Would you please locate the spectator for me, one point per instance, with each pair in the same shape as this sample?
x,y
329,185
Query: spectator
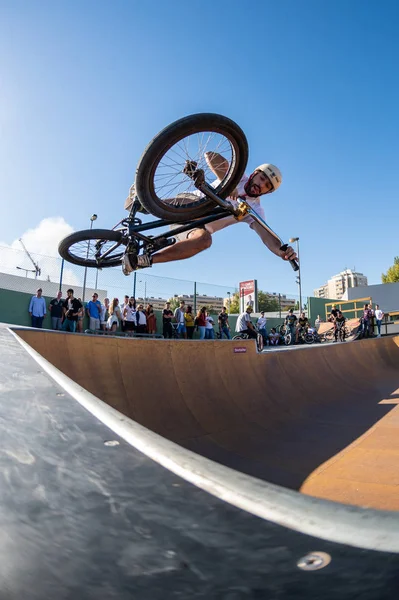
x,y
129,316
104,314
93,309
317,323
125,303
379,315
244,323
274,337
179,316
151,319
367,313
339,327
224,326
261,325
71,311
37,309
81,316
302,326
167,316
290,322
141,320
56,312
209,331
189,322
200,322
115,316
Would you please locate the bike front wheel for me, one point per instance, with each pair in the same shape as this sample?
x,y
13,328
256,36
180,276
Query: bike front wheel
x,y
98,248
162,186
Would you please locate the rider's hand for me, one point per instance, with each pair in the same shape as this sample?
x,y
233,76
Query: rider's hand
x,y
288,254
234,194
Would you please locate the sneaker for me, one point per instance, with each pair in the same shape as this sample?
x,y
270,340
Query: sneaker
x,y
131,262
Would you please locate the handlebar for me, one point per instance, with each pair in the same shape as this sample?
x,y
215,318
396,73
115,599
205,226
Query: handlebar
x,y
294,263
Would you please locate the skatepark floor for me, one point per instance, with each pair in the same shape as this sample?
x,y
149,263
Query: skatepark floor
x,y
323,421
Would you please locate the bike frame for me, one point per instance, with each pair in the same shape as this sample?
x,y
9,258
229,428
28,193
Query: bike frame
x,y
136,241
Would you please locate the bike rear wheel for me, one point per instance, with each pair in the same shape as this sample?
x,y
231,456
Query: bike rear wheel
x,y
162,187
99,248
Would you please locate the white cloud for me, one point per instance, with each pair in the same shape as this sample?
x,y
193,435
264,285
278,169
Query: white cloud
x,y
42,244
44,238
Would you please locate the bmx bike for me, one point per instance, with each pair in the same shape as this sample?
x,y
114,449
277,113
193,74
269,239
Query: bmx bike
x,y
260,344
175,184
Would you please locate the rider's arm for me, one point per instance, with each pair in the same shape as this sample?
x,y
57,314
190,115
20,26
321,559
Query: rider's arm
x,y
272,242
217,164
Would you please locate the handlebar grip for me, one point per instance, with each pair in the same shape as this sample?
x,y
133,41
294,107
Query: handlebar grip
x,y
294,263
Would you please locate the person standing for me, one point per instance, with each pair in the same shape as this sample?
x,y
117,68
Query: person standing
x,y
209,331
179,316
290,322
93,309
189,321
367,314
167,316
151,320
125,303
115,316
37,309
261,325
379,315
141,320
55,307
129,315
71,311
104,314
200,322
224,327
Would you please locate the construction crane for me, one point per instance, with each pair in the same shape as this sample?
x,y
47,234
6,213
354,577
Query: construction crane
x,y
37,270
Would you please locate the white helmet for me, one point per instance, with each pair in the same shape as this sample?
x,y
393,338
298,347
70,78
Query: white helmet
x,y
273,173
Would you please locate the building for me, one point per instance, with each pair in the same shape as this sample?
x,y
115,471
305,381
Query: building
x,y
337,286
157,303
213,303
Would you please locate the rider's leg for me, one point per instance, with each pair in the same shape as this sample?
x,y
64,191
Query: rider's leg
x,y
197,241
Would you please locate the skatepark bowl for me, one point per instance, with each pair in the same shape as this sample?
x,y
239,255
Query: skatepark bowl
x,y
252,429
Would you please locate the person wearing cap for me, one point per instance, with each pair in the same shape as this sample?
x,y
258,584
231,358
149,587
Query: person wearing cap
x,y
244,323
37,309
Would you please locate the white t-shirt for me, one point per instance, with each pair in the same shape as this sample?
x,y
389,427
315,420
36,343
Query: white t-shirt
x,y
209,323
179,316
261,322
253,202
130,313
242,322
141,319
378,314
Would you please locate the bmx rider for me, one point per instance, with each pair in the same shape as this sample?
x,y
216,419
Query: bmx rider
x,y
264,180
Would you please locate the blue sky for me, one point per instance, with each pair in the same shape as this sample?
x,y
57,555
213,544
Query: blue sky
x,y
84,86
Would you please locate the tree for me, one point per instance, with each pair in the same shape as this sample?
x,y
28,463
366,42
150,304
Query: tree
x,y
267,303
392,275
174,302
234,304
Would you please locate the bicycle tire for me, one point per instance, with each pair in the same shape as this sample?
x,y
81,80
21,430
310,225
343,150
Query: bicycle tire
x,y
169,136
64,248
239,337
287,339
260,344
308,338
